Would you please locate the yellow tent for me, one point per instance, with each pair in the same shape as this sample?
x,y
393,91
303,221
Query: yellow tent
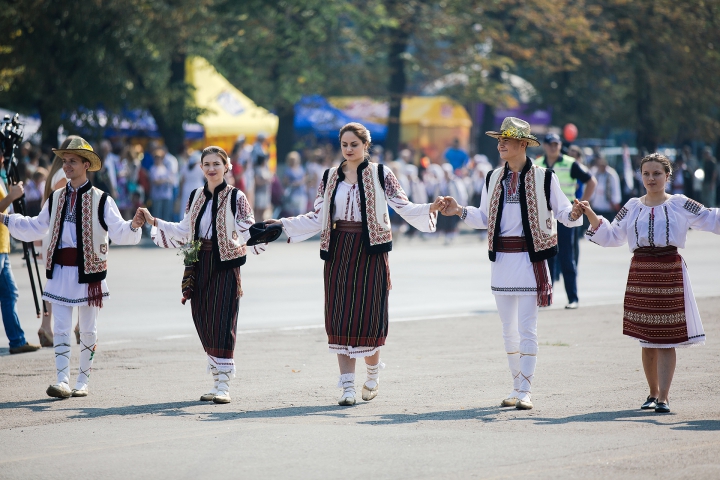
x,y
229,113
427,124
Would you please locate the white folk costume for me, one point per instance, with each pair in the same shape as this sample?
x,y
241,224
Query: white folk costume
x,y
355,238
221,221
77,224
659,309
520,209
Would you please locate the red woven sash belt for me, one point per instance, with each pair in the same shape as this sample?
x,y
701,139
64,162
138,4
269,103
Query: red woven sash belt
x,y
544,286
350,227
67,257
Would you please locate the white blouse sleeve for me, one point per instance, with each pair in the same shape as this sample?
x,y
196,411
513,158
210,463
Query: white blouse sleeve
x,y
29,229
171,234
697,215
120,230
561,205
612,234
244,219
306,226
416,214
478,217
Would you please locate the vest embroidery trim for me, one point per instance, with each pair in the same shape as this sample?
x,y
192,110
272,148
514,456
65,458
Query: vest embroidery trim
x,y
541,240
227,242
56,226
376,233
92,263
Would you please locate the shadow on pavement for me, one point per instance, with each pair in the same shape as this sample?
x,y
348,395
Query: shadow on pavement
x,y
445,415
630,416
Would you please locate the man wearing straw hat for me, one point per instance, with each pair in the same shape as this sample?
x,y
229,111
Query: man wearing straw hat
x,y
520,207
77,221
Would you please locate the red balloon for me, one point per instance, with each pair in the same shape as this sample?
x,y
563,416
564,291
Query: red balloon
x,y
570,132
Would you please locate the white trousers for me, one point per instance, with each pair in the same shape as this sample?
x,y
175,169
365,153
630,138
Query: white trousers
x,y
518,314
88,339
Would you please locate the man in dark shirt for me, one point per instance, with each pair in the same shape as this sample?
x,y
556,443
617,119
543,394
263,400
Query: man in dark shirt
x,y
569,172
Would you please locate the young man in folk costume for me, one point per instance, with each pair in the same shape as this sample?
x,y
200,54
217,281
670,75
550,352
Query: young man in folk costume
x,y
77,220
520,205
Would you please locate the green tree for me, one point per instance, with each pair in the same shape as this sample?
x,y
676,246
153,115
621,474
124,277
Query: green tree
x,y
276,52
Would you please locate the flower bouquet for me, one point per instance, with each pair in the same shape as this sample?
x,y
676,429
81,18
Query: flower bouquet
x,y
190,252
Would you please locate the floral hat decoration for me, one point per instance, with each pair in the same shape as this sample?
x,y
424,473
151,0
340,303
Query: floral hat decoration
x,y
82,148
516,128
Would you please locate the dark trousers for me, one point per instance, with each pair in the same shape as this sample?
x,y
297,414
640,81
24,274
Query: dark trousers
x,y
565,261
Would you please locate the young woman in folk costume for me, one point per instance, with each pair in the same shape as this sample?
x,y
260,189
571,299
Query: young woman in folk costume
x,y
77,222
660,309
351,216
217,219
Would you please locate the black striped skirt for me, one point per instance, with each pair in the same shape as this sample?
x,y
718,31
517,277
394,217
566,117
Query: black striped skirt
x,y
215,301
357,286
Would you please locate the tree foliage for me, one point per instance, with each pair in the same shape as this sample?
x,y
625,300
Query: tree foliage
x,y
644,65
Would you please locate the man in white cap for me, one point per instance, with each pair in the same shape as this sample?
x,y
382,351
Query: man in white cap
x,y
77,220
520,206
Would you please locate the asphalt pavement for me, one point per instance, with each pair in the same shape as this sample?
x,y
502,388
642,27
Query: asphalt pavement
x,y
437,414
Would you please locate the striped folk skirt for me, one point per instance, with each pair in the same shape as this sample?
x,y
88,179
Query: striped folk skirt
x,y
654,310
215,301
356,293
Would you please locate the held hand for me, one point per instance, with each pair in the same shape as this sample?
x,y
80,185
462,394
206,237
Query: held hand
x,y
577,210
590,214
437,205
16,191
138,220
148,217
451,207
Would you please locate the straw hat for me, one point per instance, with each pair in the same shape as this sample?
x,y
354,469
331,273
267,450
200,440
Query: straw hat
x,y
515,128
80,147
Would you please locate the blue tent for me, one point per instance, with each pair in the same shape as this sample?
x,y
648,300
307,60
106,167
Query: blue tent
x,y
315,115
129,123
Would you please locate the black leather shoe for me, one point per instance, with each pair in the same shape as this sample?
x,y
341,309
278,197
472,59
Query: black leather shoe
x,y
650,403
662,407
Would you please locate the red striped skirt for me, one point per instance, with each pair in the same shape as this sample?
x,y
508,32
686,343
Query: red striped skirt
x,y
215,301
356,290
655,297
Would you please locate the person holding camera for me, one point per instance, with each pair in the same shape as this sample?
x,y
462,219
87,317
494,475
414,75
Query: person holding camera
x,y
8,289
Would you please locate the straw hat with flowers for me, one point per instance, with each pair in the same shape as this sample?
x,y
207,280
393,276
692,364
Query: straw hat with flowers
x,y
81,148
515,128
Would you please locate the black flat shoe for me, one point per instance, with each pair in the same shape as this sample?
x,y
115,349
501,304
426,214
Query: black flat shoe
x,y
662,407
650,403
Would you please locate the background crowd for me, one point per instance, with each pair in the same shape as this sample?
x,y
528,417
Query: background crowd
x,y
137,174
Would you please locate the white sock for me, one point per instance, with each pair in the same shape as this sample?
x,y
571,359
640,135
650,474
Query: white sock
x,y
347,383
527,373
373,375
88,342
223,380
62,357
216,380
514,364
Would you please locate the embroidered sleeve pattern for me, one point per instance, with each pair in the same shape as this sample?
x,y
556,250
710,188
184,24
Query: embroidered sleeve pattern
x,y
244,216
592,231
693,207
620,215
393,190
